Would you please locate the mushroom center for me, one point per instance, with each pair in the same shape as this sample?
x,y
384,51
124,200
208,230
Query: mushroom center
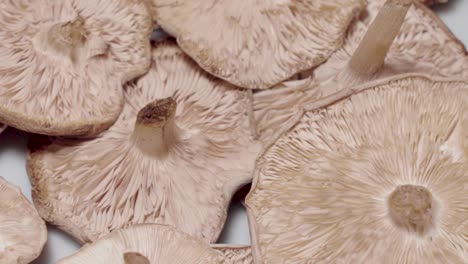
x,y
155,129
411,207
69,40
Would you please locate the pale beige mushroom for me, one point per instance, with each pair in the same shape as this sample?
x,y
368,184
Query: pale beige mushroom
x,y
257,44
63,63
424,45
23,233
376,177
235,254
180,149
146,244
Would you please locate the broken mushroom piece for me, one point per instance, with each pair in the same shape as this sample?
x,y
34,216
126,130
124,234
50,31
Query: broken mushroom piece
x,y
145,244
178,152
23,233
423,45
64,62
235,254
257,44
376,177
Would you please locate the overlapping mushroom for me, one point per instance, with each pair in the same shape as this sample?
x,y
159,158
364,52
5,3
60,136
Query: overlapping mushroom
x,y
63,63
146,244
178,152
22,232
376,177
257,44
420,43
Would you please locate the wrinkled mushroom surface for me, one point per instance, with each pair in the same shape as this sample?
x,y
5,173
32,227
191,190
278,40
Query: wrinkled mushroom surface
x,y
235,254
22,232
257,44
145,244
64,62
424,45
377,177
178,152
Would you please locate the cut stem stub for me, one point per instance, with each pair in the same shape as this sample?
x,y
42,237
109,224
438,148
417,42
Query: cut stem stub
x,y
370,55
155,129
411,207
135,258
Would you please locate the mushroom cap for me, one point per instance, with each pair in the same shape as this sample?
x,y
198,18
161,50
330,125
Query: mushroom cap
x,y
157,243
235,254
23,233
425,45
91,187
64,62
257,44
321,192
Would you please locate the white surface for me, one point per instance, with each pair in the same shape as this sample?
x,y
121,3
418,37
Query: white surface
x,y
13,148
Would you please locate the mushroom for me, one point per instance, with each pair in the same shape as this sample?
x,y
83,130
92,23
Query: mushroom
x,y
424,45
376,176
257,44
64,62
145,244
23,233
177,154
235,254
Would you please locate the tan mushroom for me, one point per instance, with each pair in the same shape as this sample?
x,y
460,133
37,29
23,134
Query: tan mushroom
x,y
423,45
235,254
22,232
146,244
257,44
376,177
64,62
179,151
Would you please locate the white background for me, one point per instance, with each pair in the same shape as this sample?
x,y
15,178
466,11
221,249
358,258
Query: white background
x,y
13,149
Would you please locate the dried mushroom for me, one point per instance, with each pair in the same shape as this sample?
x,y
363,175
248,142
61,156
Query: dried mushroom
x,y
64,62
22,232
257,44
178,152
423,45
235,254
145,244
376,177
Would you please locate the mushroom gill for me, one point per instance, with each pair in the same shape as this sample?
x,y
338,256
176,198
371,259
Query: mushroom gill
x,y
64,62
257,44
235,254
379,176
423,44
23,233
178,152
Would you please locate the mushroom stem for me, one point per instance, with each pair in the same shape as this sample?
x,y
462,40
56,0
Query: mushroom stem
x,y
155,129
411,207
370,55
135,258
